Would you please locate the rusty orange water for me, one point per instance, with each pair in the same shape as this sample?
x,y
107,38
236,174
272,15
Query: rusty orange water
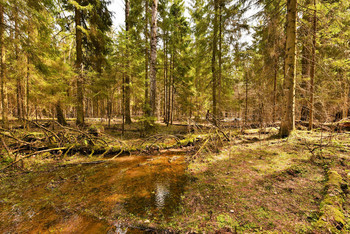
x,y
92,198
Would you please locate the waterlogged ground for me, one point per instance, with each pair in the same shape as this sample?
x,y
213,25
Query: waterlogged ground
x,y
93,198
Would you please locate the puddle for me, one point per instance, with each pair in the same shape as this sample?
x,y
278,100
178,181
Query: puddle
x,y
91,198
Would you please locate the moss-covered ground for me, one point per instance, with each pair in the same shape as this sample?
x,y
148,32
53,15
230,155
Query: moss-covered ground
x,y
294,185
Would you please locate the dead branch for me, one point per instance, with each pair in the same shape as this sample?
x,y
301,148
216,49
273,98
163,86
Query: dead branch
x,y
9,153
32,154
12,137
46,129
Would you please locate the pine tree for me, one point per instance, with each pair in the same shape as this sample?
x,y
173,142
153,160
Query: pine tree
x,y
153,62
288,117
3,81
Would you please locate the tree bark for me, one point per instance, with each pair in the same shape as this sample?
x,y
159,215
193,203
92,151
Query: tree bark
x,y
246,99
312,70
165,77
172,88
213,61
127,76
146,108
59,114
3,80
220,61
153,71
27,88
19,87
305,65
288,117
170,82
275,89
78,65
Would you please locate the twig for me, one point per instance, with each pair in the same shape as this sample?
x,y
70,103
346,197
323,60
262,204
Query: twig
x,y
46,129
200,149
9,153
12,137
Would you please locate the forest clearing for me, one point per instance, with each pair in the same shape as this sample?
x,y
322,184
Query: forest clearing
x,y
190,116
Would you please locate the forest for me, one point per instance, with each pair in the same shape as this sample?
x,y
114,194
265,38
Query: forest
x,y
194,116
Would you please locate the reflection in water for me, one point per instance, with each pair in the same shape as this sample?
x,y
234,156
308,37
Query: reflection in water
x,y
162,192
85,198
120,229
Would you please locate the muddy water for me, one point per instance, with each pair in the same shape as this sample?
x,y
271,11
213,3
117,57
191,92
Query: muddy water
x,y
94,198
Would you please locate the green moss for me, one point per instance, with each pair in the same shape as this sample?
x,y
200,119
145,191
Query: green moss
x,y
334,179
331,213
224,220
332,219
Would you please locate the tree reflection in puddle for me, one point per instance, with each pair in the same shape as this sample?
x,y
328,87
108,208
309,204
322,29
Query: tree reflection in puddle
x,y
162,192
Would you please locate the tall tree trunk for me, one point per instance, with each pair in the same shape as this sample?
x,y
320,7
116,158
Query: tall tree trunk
x,y
27,88
172,87
27,93
288,117
305,65
19,93
313,66
123,106
165,77
275,89
170,82
246,99
153,71
78,65
127,76
146,108
220,61
213,61
3,81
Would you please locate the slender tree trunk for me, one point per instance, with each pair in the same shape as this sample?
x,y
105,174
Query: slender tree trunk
x,y
27,88
165,77
170,82
213,61
312,71
3,80
305,66
153,71
220,61
288,118
146,108
275,90
127,76
123,106
172,88
78,65
109,109
30,37
18,76
246,99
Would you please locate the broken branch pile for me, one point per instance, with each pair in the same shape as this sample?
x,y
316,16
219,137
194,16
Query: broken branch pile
x,y
53,138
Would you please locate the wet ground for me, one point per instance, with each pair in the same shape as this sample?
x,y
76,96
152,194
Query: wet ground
x,y
92,198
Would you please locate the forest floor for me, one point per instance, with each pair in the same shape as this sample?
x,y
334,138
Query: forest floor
x,y
181,179
299,184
